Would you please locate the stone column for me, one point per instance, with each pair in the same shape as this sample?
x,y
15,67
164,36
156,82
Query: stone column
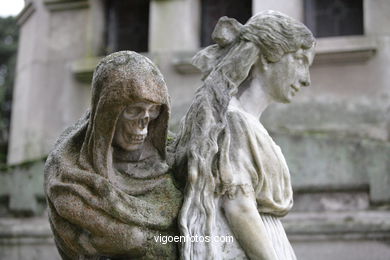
x,y
376,26
174,25
47,97
293,8
26,133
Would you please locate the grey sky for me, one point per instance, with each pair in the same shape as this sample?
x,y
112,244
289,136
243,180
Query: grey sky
x,y
10,7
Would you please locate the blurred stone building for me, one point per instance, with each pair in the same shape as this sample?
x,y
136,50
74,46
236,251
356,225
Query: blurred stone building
x,y
335,135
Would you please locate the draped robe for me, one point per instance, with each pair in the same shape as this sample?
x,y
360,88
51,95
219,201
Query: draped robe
x,y
95,209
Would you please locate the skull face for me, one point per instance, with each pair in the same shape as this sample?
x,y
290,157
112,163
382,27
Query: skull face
x,y
132,126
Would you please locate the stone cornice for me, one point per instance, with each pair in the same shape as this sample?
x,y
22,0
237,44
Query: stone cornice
x,y
26,12
61,5
304,226
82,69
347,49
344,49
347,225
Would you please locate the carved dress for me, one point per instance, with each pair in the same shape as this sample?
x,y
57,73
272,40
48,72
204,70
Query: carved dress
x,y
220,150
258,166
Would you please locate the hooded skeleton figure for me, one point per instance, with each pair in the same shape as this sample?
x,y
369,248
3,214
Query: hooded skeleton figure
x,y
101,204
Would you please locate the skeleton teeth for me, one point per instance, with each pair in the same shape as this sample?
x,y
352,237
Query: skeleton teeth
x,y
136,138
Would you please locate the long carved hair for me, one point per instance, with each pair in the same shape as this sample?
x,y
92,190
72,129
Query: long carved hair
x,y
201,159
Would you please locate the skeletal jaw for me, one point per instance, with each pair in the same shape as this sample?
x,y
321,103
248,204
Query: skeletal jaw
x,y
136,139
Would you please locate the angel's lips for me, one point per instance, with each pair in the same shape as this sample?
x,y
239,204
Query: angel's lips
x,y
296,88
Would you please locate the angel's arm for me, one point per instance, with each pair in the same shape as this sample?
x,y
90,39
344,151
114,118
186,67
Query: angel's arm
x,y
248,227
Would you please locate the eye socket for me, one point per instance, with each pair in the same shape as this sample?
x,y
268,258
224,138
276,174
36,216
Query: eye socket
x,y
154,111
132,112
135,111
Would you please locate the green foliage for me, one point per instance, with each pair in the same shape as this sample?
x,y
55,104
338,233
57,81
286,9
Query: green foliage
x,y
8,47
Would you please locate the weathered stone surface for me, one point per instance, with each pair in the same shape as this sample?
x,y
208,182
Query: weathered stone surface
x,y
236,179
360,119
164,17
341,249
22,186
315,235
107,182
344,143
45,84
330,201
334,83
330,163
26,238
346,163
339,235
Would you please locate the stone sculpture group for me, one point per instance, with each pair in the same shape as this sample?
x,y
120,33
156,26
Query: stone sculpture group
x,y
115,181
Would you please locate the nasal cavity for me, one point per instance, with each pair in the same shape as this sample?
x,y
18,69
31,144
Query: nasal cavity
x,y
143,122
